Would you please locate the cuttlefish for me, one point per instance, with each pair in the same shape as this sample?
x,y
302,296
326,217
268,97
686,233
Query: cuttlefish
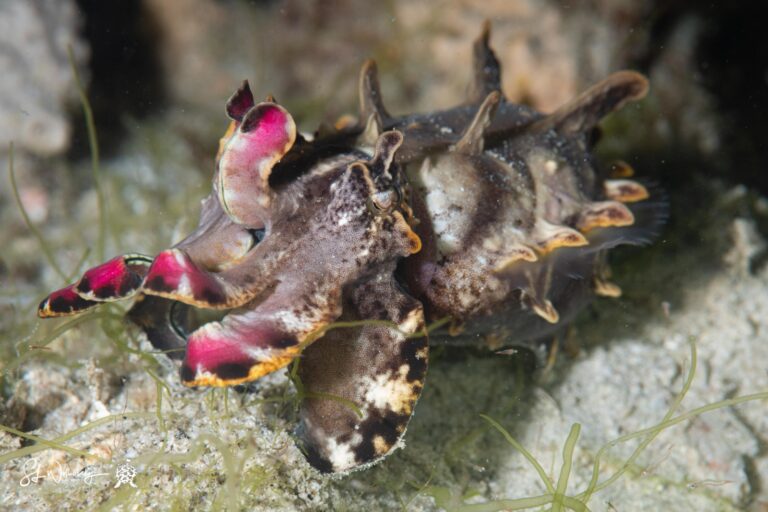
x,y
490,214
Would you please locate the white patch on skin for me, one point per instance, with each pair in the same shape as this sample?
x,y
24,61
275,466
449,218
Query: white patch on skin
x,y
390,392
412,321
200,373
184,287
215,330
437,200
292,322
451,193
258,354
448,244
550,166
180,259
468,296
341,455
207,329
438,203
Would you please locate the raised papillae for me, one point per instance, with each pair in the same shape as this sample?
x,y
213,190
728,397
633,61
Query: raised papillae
x,y
490,214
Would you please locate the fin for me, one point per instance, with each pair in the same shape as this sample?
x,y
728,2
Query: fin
x,y
165,322
471,141
251,343
265,135
644,224
117,279
369,93
361,384
486,69
240,102
604,214
550,237
625,191
64,302
583,113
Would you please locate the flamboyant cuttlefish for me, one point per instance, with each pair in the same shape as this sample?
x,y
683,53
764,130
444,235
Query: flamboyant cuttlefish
x,y
489,213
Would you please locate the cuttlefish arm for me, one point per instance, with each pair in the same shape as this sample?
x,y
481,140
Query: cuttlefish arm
x,y
187,272
117,279
361,384
175,275
164,321
217,245
266,134
250,343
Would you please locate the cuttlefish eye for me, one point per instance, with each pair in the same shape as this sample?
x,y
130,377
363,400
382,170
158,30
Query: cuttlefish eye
x,y
258,235
383,201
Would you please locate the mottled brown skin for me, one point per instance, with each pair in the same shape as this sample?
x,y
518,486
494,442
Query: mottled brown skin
x,y
378,368
489,213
